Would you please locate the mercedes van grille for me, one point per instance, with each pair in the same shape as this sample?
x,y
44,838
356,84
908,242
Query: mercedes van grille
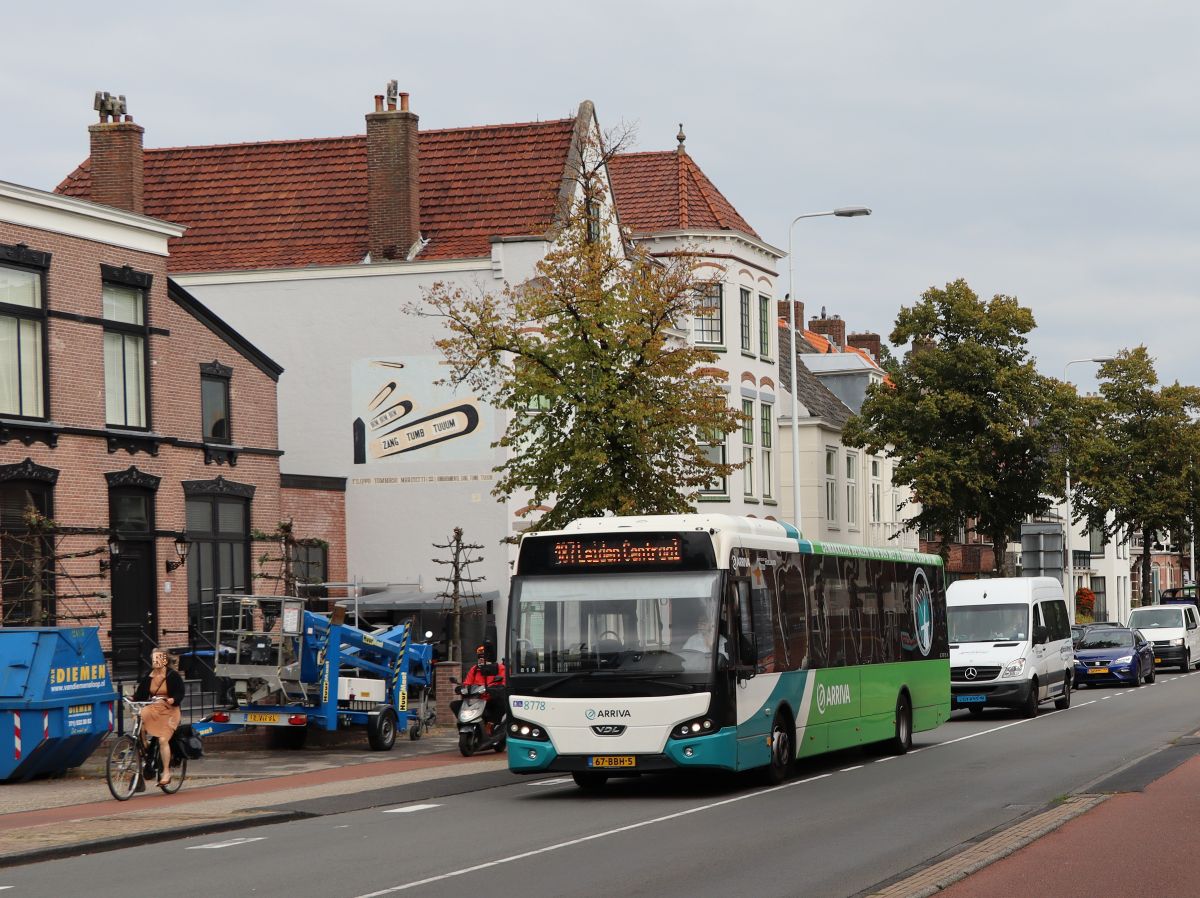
x,y
973,674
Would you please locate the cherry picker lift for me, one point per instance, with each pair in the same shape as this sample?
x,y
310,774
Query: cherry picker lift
x,y
295,669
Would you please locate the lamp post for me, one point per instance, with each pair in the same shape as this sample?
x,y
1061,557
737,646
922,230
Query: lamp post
x,y
1069,560
843,212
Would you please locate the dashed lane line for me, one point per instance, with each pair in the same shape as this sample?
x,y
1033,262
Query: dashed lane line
x,y
228,843
408,809
848,769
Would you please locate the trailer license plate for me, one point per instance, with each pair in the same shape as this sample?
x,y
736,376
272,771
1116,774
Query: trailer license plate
x,y
1097,670
612,761
963,699
253,717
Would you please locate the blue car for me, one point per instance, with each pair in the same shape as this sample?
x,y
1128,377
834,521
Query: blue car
x,y
1113,655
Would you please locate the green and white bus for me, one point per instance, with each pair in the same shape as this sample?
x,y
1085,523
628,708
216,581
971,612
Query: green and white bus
x,y
640,644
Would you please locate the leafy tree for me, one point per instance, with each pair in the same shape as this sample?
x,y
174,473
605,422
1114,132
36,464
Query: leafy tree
x,y
1137,454
966,416
612,410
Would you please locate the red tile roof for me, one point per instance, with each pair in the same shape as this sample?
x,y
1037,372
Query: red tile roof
x,y
294,203
667,191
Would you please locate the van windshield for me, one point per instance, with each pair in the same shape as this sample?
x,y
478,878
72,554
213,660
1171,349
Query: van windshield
x,y
1150,618
988,623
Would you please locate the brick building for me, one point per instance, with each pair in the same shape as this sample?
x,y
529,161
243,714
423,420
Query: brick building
x,y
135,420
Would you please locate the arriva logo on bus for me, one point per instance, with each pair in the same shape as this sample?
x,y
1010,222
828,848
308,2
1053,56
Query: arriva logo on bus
x,y
592,713
830,696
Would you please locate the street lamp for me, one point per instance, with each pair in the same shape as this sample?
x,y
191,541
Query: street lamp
x,y
1069,560
843,212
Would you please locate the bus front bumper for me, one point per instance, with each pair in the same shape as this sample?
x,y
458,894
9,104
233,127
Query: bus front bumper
x,y
714,750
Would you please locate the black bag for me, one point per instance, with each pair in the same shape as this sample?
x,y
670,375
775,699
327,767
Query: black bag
x,y
187,743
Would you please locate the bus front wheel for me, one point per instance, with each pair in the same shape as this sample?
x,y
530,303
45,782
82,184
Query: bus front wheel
x,y
902,741
782,750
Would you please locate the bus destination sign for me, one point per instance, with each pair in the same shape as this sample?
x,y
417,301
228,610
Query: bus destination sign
x,y
605,551
616,552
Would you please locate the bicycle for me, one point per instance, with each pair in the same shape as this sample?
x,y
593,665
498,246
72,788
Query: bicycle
x,y
131,764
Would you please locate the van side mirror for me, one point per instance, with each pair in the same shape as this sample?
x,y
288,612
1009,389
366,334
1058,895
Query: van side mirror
x,y
1040,635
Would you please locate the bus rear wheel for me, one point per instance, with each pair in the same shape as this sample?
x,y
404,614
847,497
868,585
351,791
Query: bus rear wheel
x,y
902,741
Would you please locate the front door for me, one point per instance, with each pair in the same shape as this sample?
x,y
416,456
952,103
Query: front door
x,y
133,607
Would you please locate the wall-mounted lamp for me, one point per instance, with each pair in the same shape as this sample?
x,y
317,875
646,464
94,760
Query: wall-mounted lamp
x,y
114,549
181,549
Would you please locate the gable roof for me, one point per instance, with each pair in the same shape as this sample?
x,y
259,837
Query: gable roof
x,y
810,392
218,326
667,191
296,203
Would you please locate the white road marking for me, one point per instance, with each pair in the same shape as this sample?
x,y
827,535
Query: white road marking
x,y
453,874
848,769
1085,704
888,758
228,843
553,782
412,807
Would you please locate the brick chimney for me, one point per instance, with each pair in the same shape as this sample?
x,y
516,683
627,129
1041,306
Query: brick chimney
x,y
117,160
868,342
832,329
781,307
393,179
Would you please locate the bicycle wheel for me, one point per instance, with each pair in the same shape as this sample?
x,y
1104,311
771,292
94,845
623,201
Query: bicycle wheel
x,y
123,767
177,777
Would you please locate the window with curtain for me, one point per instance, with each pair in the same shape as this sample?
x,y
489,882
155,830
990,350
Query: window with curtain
x,y
214,408
26,558
22,343
831,485
851,488
125,397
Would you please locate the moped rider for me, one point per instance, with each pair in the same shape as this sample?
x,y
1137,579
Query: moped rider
x,y
490,674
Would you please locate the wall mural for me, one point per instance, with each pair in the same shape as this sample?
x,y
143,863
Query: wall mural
x,y
404,415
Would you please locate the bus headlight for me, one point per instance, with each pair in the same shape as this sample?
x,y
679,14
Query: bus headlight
x,y
523,729
701,726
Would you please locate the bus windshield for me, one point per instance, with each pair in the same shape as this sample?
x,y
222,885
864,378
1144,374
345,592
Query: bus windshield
x,y
640,625
988,623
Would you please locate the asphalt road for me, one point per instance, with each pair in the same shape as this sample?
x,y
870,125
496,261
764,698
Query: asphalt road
x,y
844,824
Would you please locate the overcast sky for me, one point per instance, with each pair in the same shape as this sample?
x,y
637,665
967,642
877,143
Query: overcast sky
x,y
1049,151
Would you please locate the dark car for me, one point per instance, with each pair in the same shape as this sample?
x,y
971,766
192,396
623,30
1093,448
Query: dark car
x,y
1113,655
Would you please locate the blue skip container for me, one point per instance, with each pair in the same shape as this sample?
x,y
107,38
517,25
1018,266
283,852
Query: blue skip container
x,y
56,699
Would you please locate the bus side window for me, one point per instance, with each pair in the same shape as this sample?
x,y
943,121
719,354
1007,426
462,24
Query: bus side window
x,y
795,616
763,627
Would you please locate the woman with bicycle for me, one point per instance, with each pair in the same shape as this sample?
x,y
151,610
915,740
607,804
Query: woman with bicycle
x,y
163,687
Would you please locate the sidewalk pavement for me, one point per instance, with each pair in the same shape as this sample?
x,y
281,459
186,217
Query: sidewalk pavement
x,y
1070,849
74,814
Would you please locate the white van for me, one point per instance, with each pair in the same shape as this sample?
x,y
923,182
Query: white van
x,y
1173,630
1010,644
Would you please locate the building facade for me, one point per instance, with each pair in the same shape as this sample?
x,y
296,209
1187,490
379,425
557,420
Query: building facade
x,y
138,432
323,250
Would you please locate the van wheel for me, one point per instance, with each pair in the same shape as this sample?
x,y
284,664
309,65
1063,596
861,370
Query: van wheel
x,y
902,741
1031,703
1187,662
1065,702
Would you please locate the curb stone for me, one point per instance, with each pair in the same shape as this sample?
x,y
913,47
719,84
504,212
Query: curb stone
x,y
939,876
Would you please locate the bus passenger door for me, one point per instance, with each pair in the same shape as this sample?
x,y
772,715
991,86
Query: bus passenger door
x,y
753,691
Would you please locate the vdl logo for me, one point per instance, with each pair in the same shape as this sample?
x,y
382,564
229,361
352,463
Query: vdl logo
x,y
829,696
922,611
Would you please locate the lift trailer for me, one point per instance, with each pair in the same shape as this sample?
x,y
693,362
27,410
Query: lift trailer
x,y
293,669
